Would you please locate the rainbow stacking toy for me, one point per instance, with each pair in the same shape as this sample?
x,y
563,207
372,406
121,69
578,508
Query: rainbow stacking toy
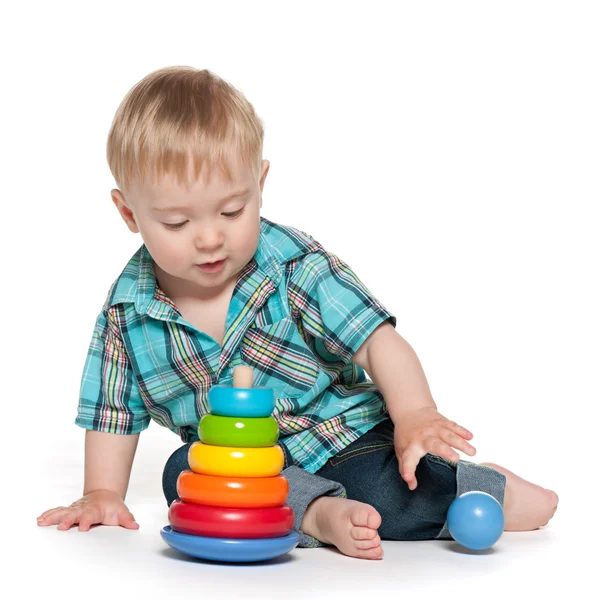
x,y
232,503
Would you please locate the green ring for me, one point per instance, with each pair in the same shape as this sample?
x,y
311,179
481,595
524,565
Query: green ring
x,y
245,432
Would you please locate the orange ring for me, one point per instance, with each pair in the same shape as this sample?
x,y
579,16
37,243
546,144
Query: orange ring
x,y
238,492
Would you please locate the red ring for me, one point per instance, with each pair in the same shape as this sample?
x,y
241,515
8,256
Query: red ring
x,y
217,521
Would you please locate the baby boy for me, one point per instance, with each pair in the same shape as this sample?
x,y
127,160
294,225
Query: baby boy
x,y
215,285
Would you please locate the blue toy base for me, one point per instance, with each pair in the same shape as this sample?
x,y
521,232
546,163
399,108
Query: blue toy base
x,y
228,549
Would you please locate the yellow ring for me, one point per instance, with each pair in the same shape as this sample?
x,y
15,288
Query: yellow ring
x,y
229,461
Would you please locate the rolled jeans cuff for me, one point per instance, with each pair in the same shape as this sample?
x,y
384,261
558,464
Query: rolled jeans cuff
x,y
473,477
304,488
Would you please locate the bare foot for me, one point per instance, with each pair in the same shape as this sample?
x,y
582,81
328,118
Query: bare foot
x,y
349,525
526,506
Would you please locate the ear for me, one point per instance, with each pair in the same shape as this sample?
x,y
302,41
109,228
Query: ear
x,y
124,210
265,169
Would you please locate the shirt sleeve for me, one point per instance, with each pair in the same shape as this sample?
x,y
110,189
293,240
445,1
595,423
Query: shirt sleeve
x,y
333,304
109,398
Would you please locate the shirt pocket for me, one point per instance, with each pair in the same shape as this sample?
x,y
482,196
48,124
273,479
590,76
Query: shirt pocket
x,y
280,358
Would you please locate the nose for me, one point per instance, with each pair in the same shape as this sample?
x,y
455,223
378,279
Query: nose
x,y
208,237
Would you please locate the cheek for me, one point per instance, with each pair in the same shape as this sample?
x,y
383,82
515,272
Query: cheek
x,y
163,247
246,238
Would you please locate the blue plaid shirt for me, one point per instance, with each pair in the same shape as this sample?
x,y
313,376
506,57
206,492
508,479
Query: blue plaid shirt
x,y
297,316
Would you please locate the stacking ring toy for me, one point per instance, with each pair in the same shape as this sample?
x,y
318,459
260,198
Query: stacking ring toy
x,y
226,401
240,492
228,461
216,521
238,431
230,550
231,504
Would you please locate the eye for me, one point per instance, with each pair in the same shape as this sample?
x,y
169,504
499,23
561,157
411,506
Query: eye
x,y
175,226
233,215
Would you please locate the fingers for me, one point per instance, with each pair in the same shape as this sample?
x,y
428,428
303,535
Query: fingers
x,y
65,518
456,441
44,518
408,461
69,518
429,433
96,515
87,514
47,513
438,447
443,443
459,430
52,516
89,517
127,520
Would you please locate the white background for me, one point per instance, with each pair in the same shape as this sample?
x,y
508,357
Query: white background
x,y
447,151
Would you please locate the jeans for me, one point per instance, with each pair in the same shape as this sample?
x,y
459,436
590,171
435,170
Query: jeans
x,y
367,470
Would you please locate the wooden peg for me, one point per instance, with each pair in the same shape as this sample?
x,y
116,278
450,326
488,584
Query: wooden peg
x,y
242,377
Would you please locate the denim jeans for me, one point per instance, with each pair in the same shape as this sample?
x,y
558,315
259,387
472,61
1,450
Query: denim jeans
x,y
367,470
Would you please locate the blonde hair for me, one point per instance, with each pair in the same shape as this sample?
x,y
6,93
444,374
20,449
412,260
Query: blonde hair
x,y
177,115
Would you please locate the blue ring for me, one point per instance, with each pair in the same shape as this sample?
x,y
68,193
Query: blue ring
x,y
228,549
227,401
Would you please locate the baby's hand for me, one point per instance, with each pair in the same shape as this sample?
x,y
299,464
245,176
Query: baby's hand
x,y
100,507
425,431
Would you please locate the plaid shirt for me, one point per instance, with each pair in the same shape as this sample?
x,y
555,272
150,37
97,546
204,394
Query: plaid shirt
x,y
297,316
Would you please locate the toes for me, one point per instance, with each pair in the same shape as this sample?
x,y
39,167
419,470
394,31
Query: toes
x,y
363,533
551,506
368,544
553,503
552,499
374,521
360,516
371,553
365,516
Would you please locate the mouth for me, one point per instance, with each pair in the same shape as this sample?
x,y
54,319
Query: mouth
x,y
212,267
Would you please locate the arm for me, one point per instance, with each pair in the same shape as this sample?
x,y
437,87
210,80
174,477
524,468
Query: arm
x,y
336,307
108,461
396,370
113,413
419,428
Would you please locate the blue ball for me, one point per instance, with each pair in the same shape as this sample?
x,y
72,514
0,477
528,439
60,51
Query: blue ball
x,y
476,520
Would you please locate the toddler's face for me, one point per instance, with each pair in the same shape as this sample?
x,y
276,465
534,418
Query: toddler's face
x,y
187,229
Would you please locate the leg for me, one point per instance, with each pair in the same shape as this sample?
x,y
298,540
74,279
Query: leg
x,y
178,462
526,506
368,469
